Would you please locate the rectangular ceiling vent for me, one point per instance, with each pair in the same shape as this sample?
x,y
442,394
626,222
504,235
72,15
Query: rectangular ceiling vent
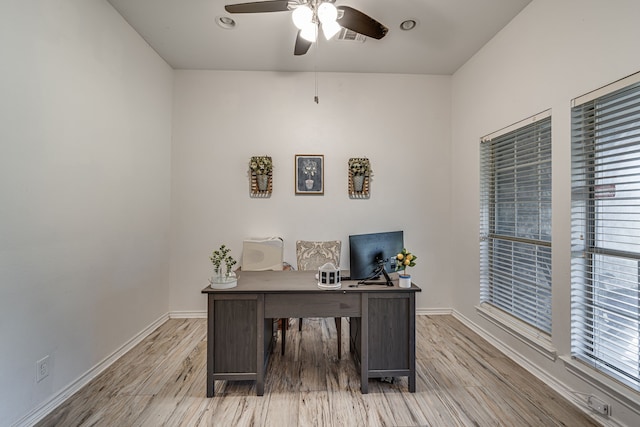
x,y
350,36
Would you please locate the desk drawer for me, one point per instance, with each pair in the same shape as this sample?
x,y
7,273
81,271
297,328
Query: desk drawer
x,y
325,304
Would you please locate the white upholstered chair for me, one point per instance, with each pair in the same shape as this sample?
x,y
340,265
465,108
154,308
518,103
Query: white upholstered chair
x,y
312,255
262,255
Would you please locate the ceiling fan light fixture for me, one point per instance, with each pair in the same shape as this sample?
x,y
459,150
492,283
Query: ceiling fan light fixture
x,y
309,15
327,13
302,16
330,29
309,32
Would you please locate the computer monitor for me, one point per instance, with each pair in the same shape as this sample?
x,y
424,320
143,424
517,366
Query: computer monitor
x,y
374,254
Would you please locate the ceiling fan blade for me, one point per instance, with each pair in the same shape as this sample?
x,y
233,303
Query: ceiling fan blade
x,y
258,7
302,45
354,20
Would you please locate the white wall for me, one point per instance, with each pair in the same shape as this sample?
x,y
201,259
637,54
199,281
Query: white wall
x,y
221,119
550,53
85,133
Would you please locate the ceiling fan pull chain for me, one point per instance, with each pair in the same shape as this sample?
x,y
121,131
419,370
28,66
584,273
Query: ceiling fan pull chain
x,y
315,98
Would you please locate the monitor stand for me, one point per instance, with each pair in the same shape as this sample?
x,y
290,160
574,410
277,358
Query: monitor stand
x,y
375,275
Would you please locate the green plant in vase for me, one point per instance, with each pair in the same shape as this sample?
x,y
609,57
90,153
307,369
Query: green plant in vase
x,y
223,262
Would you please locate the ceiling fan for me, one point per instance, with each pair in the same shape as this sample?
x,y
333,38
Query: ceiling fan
x,y
310,15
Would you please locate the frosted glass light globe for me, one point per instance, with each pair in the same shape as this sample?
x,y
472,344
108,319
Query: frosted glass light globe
x,y
327,12
302,16
330,29
309,32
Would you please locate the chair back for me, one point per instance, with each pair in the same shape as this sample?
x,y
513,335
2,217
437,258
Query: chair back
x,y
262,254
312,255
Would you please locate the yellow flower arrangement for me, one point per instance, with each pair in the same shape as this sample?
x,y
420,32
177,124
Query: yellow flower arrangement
x,y
405,259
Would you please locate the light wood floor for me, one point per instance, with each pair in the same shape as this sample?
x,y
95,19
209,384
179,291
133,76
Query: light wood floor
x,y
461,381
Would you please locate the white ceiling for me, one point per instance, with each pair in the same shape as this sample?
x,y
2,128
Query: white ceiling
x,y
449,32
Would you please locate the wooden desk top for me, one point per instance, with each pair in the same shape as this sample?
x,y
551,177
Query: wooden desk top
x,y
300,281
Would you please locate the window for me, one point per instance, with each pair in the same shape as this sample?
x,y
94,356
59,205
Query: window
x,y
605,235
515,248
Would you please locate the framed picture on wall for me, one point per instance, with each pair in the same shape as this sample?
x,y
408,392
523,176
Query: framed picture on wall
x,y
309,173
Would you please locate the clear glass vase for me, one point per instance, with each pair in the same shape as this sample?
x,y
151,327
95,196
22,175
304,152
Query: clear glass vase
x,y
223,280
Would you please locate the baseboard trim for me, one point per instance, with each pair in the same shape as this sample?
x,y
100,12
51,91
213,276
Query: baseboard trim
x,y
193,314
59,398
433,311
534,370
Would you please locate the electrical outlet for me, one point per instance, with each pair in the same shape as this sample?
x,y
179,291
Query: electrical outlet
x,y
42,368
598,405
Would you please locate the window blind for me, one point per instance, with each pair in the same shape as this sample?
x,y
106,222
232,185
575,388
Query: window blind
x,y
515,221
605,233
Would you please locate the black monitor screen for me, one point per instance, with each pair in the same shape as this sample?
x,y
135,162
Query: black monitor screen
x,y
369,252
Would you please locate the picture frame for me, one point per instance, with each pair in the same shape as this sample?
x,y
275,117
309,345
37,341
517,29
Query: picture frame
x,y
309,176
359,178
261,176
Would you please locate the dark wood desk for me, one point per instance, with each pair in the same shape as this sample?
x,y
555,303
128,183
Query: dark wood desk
x,y
240,327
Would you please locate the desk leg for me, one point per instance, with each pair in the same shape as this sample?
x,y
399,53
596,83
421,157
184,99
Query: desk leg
x,y
284,325
210,348
339,329
412,343
260,357
364,344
